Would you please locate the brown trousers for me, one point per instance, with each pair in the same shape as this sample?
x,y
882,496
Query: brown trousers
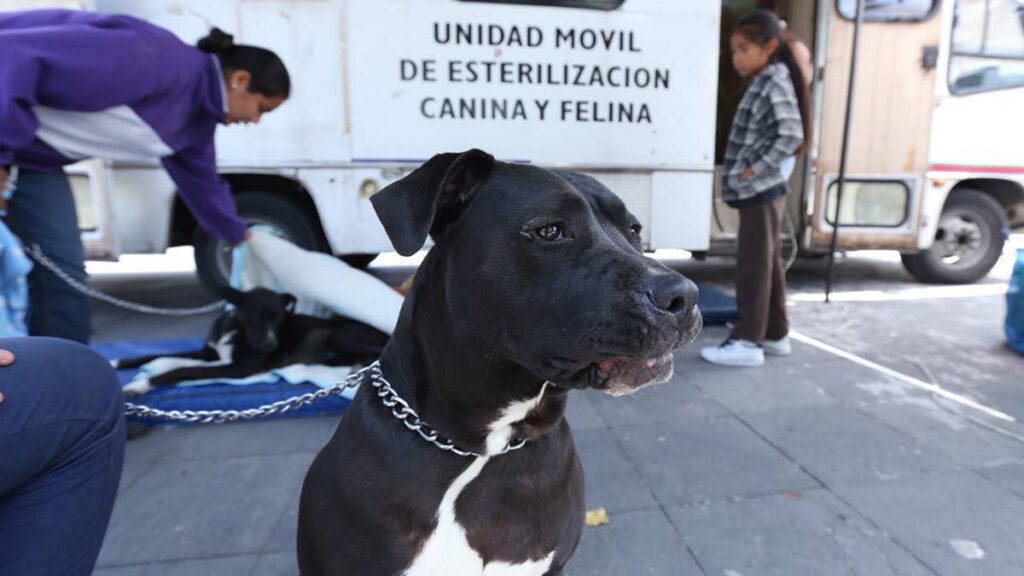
x,y
760,278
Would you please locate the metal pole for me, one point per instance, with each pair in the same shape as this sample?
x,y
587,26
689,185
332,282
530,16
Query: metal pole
x,y
858,22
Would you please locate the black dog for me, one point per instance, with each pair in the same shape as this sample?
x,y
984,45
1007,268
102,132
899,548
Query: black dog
x,y
536,285
261,333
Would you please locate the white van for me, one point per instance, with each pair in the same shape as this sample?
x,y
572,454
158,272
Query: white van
x,y
637,93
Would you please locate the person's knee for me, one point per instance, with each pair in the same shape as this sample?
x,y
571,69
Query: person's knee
x,y
72,371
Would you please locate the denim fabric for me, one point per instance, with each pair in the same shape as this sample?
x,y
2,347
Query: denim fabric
x,y
61,450
43,211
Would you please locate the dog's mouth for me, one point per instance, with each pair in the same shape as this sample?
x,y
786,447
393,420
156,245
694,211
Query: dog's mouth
x,y
624,375
693,328
623,372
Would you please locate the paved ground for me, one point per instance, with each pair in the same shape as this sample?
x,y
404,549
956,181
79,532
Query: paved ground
x,y
813,465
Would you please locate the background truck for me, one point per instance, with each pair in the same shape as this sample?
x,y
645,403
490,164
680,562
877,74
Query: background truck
x,y
638,93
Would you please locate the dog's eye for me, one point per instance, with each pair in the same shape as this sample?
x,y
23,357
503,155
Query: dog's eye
x,y
549,233
635,229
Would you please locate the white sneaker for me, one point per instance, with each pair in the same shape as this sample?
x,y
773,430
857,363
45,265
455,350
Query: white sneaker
x,y
780,347
734,353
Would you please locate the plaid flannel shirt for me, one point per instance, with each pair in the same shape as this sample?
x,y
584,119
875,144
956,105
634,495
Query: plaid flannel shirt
x,y
765,131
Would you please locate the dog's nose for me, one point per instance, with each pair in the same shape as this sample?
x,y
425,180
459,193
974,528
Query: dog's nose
x,y
269,344
673,293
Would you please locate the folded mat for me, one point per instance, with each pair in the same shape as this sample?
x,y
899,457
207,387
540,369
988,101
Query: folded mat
x,y
217,396
318,280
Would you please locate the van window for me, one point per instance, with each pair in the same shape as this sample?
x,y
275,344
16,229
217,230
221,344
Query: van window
x,y
85,202
869,203
988,46
888,10
599,4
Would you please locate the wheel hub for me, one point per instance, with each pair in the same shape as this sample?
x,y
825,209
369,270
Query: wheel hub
x,y
960,239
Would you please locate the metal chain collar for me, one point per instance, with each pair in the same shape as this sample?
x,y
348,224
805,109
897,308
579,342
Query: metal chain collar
x,y
37,254
400,409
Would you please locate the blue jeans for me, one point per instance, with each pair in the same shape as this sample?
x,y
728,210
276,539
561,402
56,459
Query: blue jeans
x,y
43,211
61,450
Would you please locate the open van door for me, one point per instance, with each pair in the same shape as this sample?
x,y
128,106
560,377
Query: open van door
x,y
893,102
89,184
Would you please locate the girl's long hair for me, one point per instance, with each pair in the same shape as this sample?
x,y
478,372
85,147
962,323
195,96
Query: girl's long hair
x,y
269,75
761,27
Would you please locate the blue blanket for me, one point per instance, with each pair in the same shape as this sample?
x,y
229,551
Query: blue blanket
x,y
213,396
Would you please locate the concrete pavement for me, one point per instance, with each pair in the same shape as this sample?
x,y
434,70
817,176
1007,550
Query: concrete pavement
x,y
812,465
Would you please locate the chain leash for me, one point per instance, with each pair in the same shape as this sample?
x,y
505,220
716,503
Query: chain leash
x,y
222,416
37,254
399,408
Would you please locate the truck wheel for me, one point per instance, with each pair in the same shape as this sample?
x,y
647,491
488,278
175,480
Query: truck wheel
x,y
968,241
286,218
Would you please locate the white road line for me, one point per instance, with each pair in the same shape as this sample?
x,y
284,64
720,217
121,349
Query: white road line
x,y
901,377
928,293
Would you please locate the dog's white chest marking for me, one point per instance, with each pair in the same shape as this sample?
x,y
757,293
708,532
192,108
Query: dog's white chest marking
x,y
447,551
225,347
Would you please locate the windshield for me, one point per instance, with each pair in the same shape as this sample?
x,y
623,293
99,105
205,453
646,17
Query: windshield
x,y
887,10
988,45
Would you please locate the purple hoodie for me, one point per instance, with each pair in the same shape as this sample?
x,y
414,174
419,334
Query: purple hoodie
x,y
75,85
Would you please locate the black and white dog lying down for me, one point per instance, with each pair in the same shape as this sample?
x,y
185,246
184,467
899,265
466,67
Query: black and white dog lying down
x,y
262,332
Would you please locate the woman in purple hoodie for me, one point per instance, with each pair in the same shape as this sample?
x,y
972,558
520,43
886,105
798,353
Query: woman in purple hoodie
x,y
76,85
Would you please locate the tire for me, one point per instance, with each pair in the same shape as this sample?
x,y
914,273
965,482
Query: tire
x,y
288,218
968,242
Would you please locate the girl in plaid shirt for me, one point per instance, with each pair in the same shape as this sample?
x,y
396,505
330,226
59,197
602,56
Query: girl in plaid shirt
x,y
771,125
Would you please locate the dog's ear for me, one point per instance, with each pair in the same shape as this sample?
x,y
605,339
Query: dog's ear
x,y
430,198
289,302
231,295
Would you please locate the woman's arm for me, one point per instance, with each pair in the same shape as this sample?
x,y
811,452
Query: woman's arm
x,y
205,193
76,60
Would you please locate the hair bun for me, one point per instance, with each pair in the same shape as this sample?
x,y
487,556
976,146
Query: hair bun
x,y
216,42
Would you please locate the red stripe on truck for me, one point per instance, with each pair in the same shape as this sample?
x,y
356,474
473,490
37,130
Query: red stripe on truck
x,y
988,169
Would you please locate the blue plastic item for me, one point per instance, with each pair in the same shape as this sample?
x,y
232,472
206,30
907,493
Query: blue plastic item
x,y
1015,305
716,306
14,269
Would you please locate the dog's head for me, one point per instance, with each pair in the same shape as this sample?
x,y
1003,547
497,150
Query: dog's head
x,y
258,314
544,269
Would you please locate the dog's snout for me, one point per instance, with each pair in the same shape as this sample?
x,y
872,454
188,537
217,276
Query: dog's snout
x,y
269,343
674,294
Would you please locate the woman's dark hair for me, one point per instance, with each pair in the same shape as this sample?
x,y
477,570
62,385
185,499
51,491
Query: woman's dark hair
x,y
761,27
269,76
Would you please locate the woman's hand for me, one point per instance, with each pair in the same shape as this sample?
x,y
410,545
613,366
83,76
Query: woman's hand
x,y
6,359
748,173
246,238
